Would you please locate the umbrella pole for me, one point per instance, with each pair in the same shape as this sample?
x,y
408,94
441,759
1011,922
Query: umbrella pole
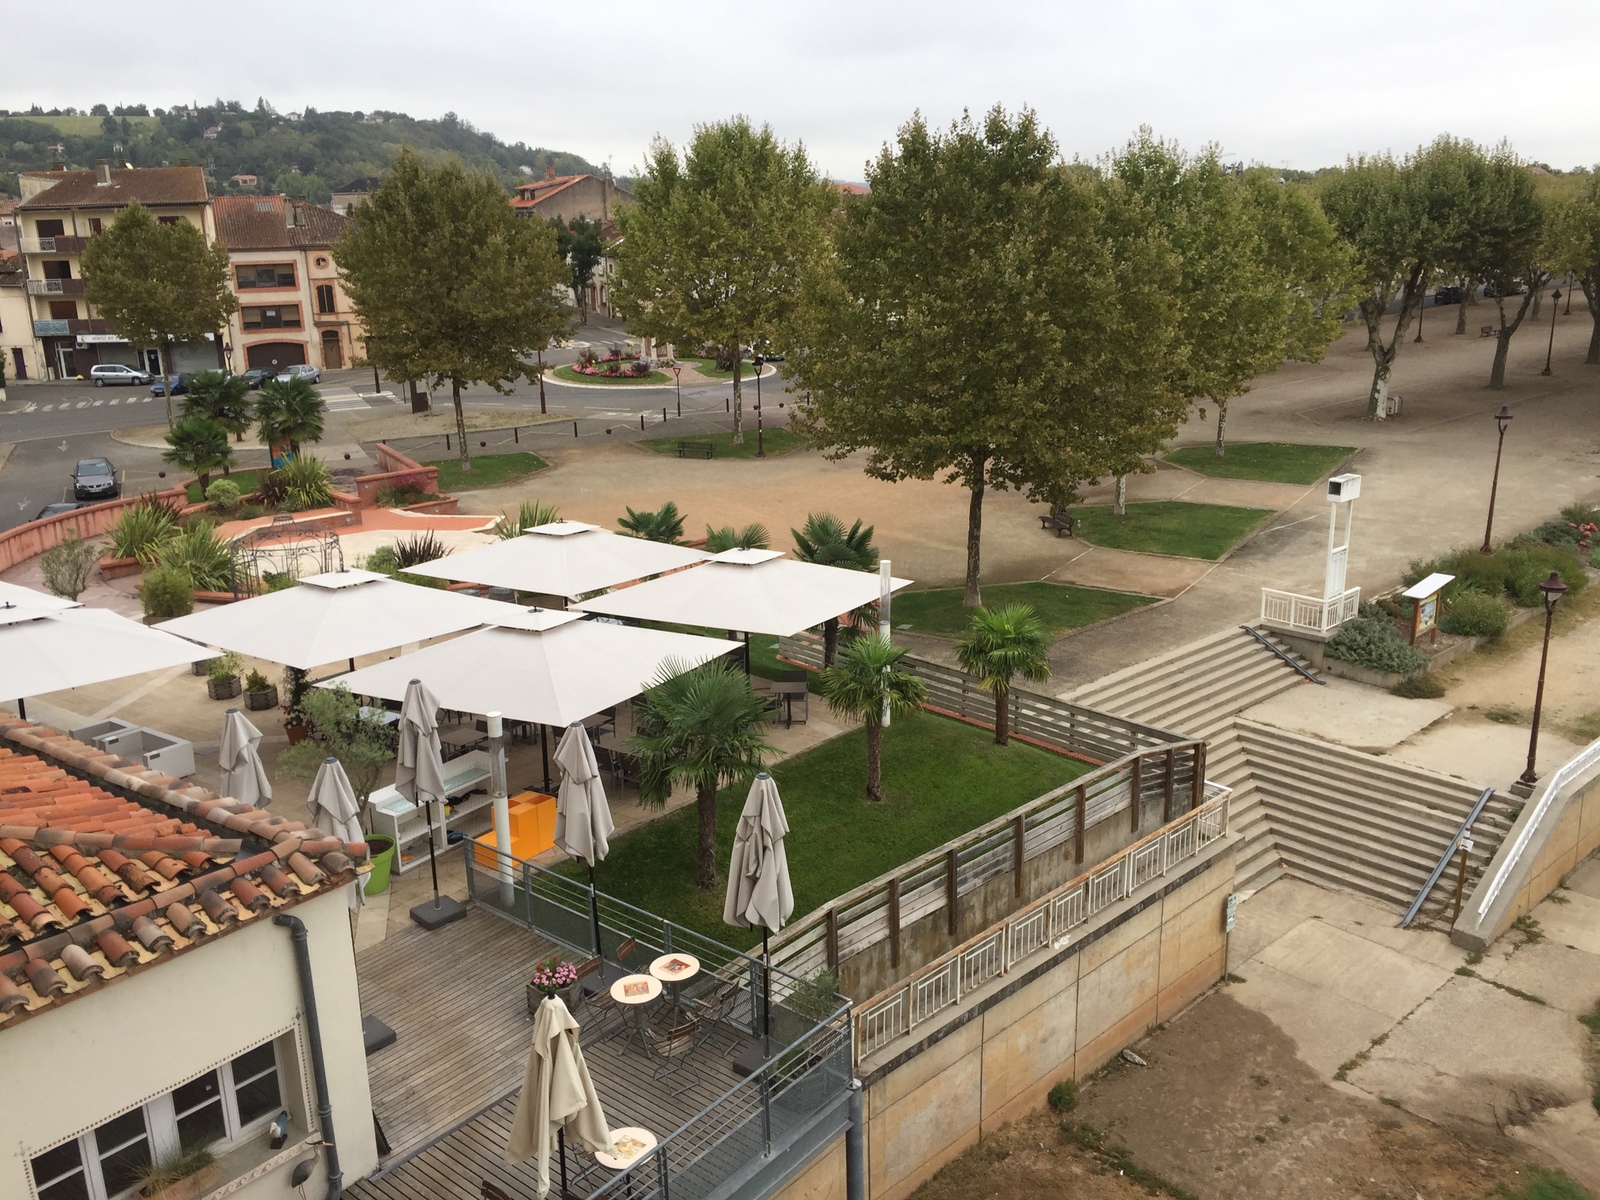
x,y
433,860
747,655
766,994
544,753
561,1149
594,922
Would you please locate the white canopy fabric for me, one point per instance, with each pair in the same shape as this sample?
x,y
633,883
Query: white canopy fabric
x,y
27,597
758,869
335,617
753,591
48,650
551,676
566,558
583,818
244,777
557,1093
332,802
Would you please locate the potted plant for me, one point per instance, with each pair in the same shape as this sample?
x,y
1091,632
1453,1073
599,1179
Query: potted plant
x,y
191,1174
294,720
222,676
166,592
550,978
260,693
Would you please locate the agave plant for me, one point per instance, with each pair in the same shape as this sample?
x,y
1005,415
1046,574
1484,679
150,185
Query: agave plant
x,y
753,536
417,549
531,515
305,483
663,525
142,528
198,550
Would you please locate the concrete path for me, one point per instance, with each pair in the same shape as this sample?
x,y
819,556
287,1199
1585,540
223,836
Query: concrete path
x,y
1349,713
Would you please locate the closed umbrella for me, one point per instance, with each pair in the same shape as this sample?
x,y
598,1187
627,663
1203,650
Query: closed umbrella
x,y
419,777
583,818
334,809
557,1095
758,875
243,777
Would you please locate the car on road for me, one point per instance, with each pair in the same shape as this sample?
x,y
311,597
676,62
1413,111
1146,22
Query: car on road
x,y
117,373
1491,291
1447,295
179,384
95,479
300,371
61,506
255,377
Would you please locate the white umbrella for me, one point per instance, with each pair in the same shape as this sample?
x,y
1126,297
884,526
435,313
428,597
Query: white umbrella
x,y
557,1095
332,802
14,594
758,874
244,778
419,777
45,649
583,818
564,558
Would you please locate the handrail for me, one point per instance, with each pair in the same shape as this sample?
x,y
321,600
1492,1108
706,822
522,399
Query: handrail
x,y
1444,859
1282,653
1574,767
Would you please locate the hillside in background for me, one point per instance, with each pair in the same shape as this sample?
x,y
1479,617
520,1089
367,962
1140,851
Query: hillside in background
x,y
301,154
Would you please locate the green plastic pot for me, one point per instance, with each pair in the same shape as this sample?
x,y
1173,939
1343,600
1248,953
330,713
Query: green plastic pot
x,y
381,850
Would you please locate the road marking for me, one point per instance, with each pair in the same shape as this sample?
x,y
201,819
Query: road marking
x,y
83,404
117,400
47,408
94,404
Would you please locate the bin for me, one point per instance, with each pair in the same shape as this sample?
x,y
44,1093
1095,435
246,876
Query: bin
x,y
381,850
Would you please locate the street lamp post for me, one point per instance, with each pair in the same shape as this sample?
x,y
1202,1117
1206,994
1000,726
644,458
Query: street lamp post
x,y
1555,304
761,445
1553,590
1571,277
1503,420
677,371
541,381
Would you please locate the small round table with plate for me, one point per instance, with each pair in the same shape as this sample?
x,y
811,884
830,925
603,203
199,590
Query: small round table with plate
x,y
635,991
629,1145
673,969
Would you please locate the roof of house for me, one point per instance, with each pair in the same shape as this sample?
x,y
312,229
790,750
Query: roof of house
x,y
367,183
98,882
262,223
530,194
850,189
147,185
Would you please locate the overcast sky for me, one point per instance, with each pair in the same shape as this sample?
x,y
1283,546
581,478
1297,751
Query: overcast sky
x,y
1283,82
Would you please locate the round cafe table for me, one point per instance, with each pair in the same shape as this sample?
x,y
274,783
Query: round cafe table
x,y
630,1144
634,992
673,969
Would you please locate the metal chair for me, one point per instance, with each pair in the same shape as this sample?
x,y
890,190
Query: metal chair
x,y
672,1047
711,1011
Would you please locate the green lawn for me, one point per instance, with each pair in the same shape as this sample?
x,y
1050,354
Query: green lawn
x,y
1276,462
487,470
1060,606
245,479
708,367
777,439
568,375
941,778
1170,527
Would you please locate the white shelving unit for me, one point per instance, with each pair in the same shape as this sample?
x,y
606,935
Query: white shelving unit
x,y
465,781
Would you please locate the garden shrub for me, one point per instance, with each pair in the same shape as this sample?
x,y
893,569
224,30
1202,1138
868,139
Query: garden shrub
x,y
1064,1096
223,495
1515,570
1419,687
1476,614
167,592
1375,645
203,556
404,496
305,483
142,528
67,566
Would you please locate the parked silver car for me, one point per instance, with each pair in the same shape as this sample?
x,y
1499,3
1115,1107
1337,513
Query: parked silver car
x,y
300,371
116,373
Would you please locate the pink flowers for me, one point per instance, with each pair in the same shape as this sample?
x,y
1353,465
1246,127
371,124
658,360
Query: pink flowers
x,y
553,974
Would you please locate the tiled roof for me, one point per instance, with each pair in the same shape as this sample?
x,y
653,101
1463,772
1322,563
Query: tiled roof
x,y
528,195
367,183
147,185
261,223
850,189
95,884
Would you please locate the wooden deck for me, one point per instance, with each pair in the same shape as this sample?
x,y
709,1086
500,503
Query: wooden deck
x,y
445,1092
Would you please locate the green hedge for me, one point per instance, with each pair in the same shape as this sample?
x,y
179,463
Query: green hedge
x,y
1475,614
1372,642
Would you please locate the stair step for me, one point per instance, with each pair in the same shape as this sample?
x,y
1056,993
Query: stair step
x,y
1379,796
1311,854
1394,852
1108,684
1358,807
1227,695
1224,683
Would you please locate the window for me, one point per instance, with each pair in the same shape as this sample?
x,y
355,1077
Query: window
x,y
223,1106
324,297
169,220
94,225
273,275
63,310
46,229
284,317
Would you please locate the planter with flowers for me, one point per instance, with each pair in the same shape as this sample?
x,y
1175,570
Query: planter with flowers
x,y
550,978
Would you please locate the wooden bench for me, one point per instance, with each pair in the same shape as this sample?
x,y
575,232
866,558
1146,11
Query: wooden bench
x,y
697,449
1486,331
1059,520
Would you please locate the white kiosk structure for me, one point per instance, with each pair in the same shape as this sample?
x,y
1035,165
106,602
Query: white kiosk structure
x,y
1307,614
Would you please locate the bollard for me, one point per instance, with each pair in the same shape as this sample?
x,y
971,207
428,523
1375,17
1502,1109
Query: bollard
x,y
663,416
574,429
727,404
641,422
447,442
518,441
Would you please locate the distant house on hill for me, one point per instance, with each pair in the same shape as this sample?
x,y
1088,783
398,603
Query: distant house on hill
x,y
244,180
347,197
562,197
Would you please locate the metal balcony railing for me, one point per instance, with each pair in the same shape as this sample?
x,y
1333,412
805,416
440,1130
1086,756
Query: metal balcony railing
x,y
55,287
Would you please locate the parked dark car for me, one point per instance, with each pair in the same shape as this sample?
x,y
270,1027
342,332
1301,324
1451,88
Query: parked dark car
x,y
255,377
1447,295
95,479
61,506
179,384
1490,291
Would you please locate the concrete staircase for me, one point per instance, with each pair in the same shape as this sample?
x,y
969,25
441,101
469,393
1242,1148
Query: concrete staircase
x,y
1322,812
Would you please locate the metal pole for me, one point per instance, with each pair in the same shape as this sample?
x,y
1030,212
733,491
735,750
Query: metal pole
x,y
855,1161
761,445
1494,487
885,583
1461,884
544,753
766,995
1529,776
541,383
1550,349
502,806
594,922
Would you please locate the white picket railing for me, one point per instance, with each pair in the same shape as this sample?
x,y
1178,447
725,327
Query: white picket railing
x,y
1309,614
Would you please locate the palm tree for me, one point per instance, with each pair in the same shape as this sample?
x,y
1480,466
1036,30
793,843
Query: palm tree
x,y
531,515
753,536
824,540
222,398
702,729
663,525
199,445
289,412
1000,645
862,683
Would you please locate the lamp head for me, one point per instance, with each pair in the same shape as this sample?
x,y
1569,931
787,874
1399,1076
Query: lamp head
x,y
1503,417
1553,590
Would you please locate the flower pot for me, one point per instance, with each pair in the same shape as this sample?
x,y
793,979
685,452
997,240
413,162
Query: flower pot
x,y
223,689
381,850
198,668
189,1187
262,700
537,996
295,731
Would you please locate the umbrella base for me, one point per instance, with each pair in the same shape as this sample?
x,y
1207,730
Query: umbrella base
x,y
375,1035
749,1060
434,914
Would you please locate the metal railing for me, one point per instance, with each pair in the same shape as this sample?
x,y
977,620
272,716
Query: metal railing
x,y
53,245
1046,923
1309,613
1570,770
55,287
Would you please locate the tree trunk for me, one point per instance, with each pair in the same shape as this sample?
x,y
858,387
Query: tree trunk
x,y
1461,309
1119,501
830,640
1222,424
1593,357
1591,296
1002,717
973,596
706,852
1382,365
204,480
874,761
1502,345
461,425
738,395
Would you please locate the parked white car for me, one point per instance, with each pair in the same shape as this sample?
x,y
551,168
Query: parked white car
x,y
115,373
300,371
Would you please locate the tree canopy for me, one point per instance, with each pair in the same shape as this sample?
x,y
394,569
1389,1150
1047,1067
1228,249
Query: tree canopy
x,y
581,247
714,249
449,283
1573,237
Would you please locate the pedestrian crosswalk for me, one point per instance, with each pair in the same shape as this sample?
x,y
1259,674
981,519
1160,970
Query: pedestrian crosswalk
x,y
64,405
338,399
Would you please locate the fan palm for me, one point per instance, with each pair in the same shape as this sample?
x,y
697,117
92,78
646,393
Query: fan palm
x,y
663,525
200,445
863,683
221,397
289,412
753,536
824,540
1001,644
701,729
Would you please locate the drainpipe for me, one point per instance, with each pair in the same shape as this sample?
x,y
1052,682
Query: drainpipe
x,y
855,1167
319,1068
